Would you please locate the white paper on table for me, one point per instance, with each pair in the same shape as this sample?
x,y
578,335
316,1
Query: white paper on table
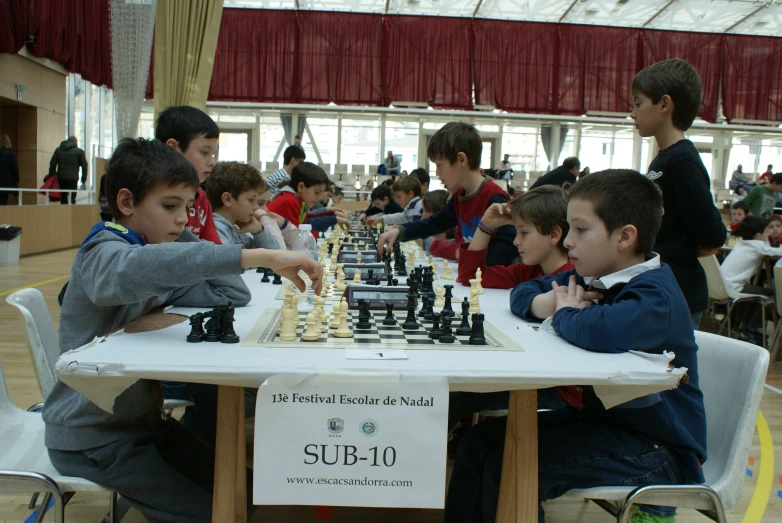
x,y
375,354
378,449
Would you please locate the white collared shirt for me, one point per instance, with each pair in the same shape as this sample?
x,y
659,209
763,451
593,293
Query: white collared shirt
x,y
623,276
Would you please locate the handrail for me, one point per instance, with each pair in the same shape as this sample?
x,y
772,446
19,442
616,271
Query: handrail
x,y
89,196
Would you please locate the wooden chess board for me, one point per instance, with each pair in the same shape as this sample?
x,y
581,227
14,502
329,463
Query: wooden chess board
x,y
264,335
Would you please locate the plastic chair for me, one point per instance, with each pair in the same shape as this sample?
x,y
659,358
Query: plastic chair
x,y
25,465
271,167
358,170
326,167
778,330
720,294
732,374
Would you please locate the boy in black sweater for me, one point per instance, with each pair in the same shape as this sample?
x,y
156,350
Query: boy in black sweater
x,y
666,98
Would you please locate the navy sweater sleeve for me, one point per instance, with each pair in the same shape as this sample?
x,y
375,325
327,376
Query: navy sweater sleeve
x,y
522,295
443,221
322,223
502,251
641,305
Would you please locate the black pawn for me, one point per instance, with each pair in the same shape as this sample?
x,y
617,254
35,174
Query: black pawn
x,y
371,277
447,336
448,296
435,332
265,278
399,267
229,334
212,328
429,301
277,279
363,315
464,329
410,323
390,279
389,319
195,335
476,336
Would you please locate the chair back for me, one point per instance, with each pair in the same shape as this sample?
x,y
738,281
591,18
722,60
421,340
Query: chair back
x,y
359,170
326,167
778,288
42,340
732,374
714,280
271,167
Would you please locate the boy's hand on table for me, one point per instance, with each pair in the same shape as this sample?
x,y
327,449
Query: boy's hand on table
x,y
288,264
573,295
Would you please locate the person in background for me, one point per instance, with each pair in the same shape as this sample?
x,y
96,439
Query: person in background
x,y
407,194
431,203
505,168
284,232
565,173
583,173
392,164
423,177
738,195
9,170
292,157
368,189
738,211
297,140
65,163
739,178
404,173
774,230
766,176
338,196
762,198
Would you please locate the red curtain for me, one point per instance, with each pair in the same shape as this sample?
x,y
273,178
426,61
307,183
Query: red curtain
x,y
702,50
13,25
428,59
514,65
752,78
339,58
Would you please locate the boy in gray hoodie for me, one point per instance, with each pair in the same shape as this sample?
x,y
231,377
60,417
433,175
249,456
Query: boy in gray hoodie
x,y
122,271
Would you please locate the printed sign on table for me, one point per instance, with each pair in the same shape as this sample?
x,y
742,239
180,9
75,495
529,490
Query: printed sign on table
x,y
339,441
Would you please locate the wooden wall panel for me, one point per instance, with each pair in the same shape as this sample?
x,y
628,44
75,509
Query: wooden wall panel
x,y
50,227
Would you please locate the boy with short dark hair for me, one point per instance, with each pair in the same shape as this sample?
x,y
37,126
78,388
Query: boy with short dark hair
x,y
456,151
123,270
619,298
382,201
738,211
666,97
762,198
407,194
423,177
292,157
743,261
194,134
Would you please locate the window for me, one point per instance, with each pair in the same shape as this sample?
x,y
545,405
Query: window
x,y
360,142
79,112
233,146
271,136
402,139
324,131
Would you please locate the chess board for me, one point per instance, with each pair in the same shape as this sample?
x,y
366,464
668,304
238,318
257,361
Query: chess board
x,y
333,295
264,335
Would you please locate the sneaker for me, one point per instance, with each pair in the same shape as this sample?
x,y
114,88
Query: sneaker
x,y
643,517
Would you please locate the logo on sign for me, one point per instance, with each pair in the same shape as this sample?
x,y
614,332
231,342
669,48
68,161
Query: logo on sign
x,y
336,425
369,427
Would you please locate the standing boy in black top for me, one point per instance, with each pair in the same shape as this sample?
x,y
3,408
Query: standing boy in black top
x,y
666,98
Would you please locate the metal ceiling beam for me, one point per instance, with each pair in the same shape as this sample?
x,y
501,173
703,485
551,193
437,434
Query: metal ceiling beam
x,y
477,8
658,13
567,11
388,2
750,15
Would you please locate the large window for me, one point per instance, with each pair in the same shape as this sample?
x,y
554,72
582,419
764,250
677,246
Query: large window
x,y
402,139
361,142
324,132
271,136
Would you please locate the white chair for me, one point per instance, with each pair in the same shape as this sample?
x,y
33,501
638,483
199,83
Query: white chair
x,y
44,345
732,374
326,167
358,170
722,196
271,167
349,180
257,164
25,465
341,169
775,339
721,294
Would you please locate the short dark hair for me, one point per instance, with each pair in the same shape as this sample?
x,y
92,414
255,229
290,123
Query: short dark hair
x,y
571,162
435,200
233,178
338,192
291,152
407,184
138,165
184,123
380,192
309,174
775,218
741,205
776,178
623,197
544,207
388,183
752,225
679,80
454,138
422,175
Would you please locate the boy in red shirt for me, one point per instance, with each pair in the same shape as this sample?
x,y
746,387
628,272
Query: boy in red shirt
x,y
540,219
194,134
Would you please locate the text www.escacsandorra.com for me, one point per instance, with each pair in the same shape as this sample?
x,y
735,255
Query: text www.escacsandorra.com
x,y
351,482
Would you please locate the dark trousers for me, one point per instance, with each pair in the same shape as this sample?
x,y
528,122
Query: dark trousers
x,y
572,453
4,198
68,185
167,474
463,403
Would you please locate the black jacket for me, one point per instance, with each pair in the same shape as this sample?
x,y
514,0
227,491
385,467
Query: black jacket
x,y
66,161
558,176
9,170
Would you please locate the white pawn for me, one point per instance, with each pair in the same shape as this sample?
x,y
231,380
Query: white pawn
x,y
335,316
319,312
343,331
431,260
313,332
340,284
475,304
357,275
439,293
287,327
358,257
447,271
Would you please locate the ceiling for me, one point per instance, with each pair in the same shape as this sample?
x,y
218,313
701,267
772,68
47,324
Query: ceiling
x,y
716,16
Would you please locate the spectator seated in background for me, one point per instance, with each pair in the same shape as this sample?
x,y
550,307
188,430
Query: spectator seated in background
x,y
566,173
739,179
738,195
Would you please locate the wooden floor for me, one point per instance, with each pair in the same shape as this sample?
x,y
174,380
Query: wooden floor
x,y
84,508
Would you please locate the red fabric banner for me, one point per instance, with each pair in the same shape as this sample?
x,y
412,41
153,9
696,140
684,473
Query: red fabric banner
x,y
752,78
13,25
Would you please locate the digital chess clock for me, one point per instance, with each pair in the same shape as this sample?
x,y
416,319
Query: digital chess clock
x,y
378,271
346,256
377,296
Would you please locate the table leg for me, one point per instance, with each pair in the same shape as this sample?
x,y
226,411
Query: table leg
x,y
241,464
518,501
230,401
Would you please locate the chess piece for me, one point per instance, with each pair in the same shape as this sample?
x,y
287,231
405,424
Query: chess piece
x,y
195,335
358,257
357,275
446,335
319,301
464,329
389,319
475,305
435,332
477,336
440,296
228,333
213,325
265,278
277,279
343,331
421,253
313,332
335,314
363,315
371,277
410,323
390,279
431,260
447,271
287,326
448,295
340,283
429,304
479,280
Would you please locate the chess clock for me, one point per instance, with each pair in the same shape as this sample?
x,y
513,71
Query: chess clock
x,y
346,256
377,296
361,239
379,271
356,246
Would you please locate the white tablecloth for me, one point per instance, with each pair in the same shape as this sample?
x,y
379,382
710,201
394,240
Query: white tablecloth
x,y
101,371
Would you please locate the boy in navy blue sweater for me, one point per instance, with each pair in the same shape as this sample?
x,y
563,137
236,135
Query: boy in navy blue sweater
x,y
619,298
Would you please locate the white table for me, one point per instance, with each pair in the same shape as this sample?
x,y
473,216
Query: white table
x,y
102,371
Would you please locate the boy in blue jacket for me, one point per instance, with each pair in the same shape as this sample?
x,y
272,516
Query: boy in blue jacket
x,y
619,298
